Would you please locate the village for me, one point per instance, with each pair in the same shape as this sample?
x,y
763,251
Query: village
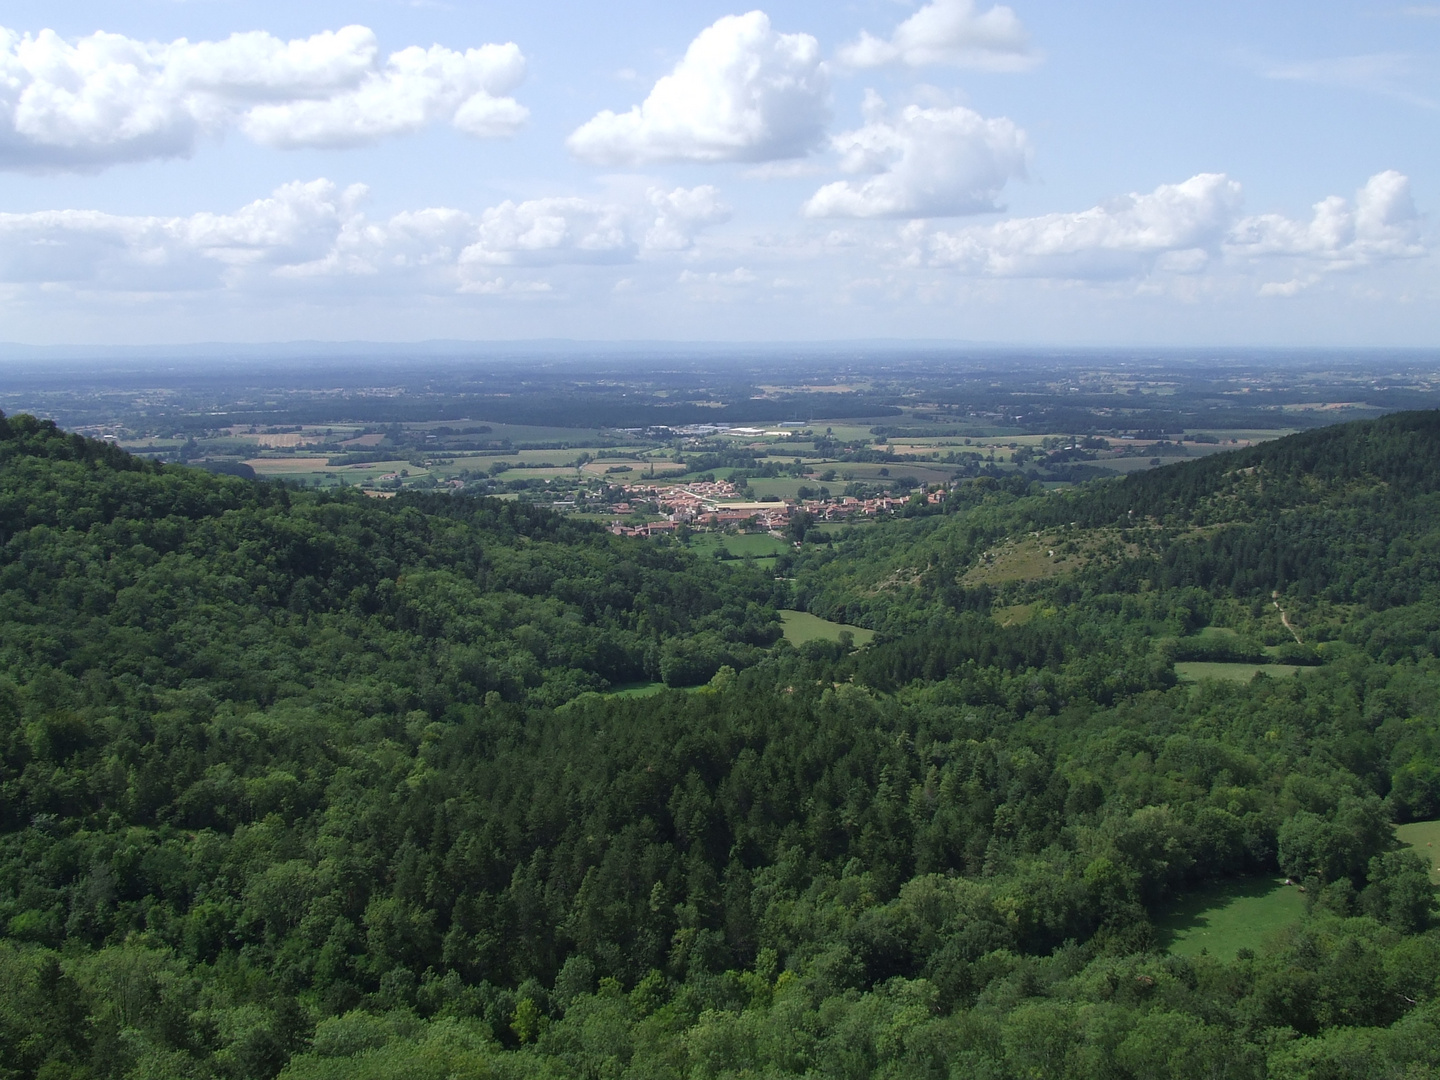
x,y
718,505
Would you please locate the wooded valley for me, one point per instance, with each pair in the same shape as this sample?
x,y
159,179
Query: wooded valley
x,y
302,783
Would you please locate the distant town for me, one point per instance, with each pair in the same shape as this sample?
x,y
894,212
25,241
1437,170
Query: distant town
x,y
718,505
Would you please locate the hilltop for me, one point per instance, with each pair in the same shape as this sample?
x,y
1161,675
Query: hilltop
x,y
1342,517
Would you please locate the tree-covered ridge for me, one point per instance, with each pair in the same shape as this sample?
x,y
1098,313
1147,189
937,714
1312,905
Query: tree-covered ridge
x,y
1348,515
253,821
1398,454
254,593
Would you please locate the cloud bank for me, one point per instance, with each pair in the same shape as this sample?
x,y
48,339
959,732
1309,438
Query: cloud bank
x,y
742,92
317,235
104,99
316,230
1183,228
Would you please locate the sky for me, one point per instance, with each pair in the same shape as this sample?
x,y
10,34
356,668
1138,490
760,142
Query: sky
x,y
1042,172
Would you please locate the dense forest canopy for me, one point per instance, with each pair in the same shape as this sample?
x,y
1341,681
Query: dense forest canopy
x,y
316,785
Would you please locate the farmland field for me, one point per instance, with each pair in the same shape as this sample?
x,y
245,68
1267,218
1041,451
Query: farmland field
x,y
292,466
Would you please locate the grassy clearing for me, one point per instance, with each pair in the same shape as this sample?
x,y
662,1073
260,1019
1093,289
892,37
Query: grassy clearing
x,y
722,473
1021,560
1234,915
706,543
1424,837
869,471
531,458
851,429
801,626
1033,557
291,466
754,544
640,689
785,488
1136,464
1195,670
602,470
1014,615
315,471
524,473
739,545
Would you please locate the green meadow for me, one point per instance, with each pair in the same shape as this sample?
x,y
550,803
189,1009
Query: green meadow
x,y
1195,670
1423,837
1225,918
801,626
635,690
739,545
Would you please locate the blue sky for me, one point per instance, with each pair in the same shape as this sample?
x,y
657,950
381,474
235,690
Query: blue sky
x,y
1042,172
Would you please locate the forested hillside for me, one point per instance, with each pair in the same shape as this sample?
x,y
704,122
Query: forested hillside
x,y
318,786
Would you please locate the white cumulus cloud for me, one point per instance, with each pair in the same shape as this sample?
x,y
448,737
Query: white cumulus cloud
x,y
316,230
549,231
106,98
741,275
501,286
922,162
1185,228
298,224
681,213
742,92
952,32
1181,225
1381,223
1293,287
414,89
